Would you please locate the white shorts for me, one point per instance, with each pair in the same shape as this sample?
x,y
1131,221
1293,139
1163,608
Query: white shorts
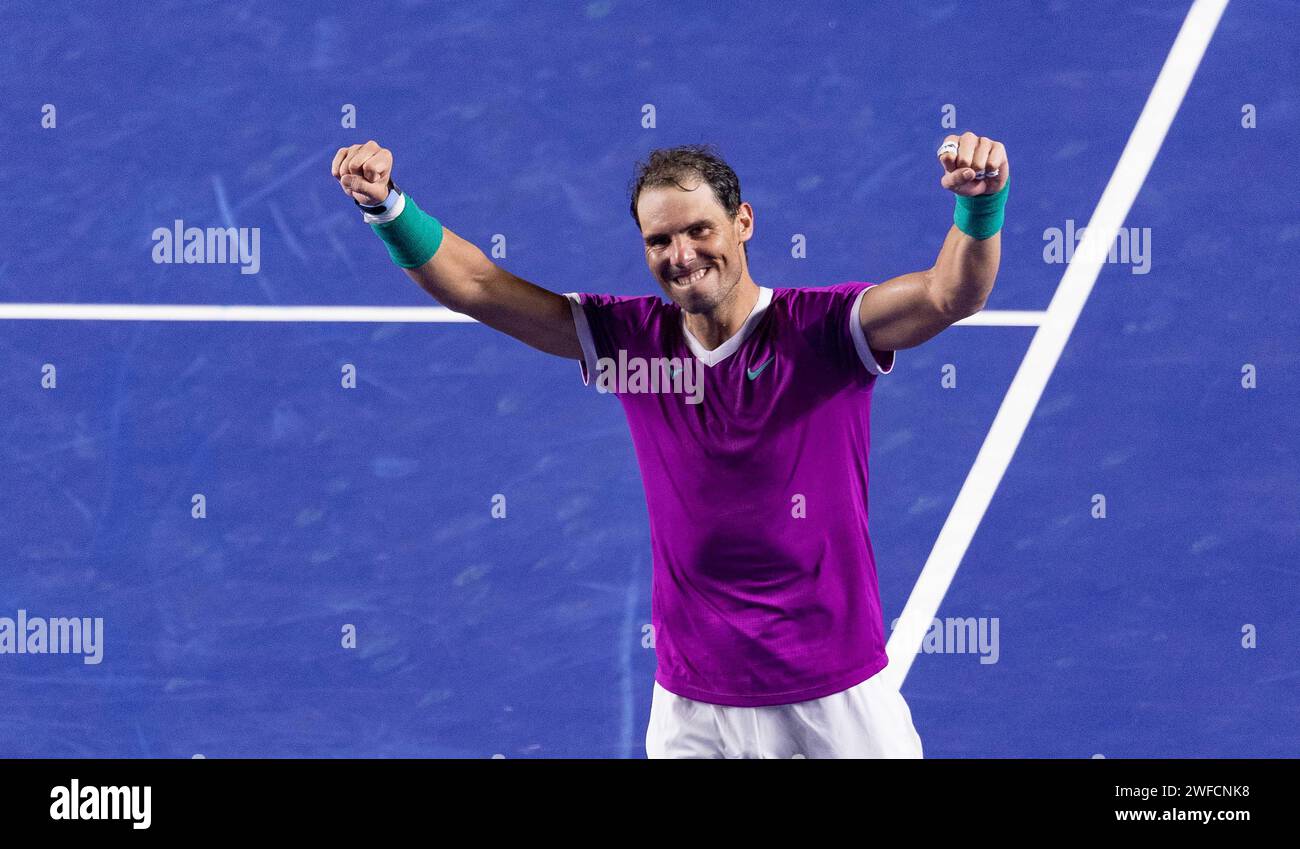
x,y
869,720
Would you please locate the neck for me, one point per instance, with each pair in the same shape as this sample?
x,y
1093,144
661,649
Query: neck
x,y
713,328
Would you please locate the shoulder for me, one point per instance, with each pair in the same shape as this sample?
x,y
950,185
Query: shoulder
x,y
812,305
827,317
631,312
620,304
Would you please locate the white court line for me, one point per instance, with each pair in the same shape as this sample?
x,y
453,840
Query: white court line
x,y
253,312
1004,318
1050,338
220,312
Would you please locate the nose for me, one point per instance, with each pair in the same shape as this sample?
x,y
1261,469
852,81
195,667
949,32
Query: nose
x,y
682,253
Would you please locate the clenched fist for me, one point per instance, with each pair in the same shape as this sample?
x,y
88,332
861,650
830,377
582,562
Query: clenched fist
x,y
363,170
973,165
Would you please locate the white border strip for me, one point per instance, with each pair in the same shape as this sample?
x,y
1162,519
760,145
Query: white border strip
x,y
1048,342
223,312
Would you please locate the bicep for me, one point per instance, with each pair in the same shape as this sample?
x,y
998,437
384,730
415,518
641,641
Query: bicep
x,y
535,316
901,313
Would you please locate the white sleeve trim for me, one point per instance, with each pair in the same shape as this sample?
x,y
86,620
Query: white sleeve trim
x,y
588,361
860,340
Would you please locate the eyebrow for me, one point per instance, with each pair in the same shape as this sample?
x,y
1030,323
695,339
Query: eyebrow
x,y
703,222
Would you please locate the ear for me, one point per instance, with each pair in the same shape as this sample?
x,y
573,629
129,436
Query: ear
x,y
745,218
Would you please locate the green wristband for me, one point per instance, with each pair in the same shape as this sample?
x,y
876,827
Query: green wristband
x,y
981,217
413,237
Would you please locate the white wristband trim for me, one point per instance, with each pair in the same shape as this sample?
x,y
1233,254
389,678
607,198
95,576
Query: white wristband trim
x,y
396,202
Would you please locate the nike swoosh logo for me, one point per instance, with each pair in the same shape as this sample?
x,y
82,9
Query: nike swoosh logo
x,y
674,371
755,372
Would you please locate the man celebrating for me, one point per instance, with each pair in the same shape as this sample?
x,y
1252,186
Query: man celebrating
x,y
765,605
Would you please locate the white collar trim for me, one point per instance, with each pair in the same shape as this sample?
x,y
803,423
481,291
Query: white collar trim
x,y
727,348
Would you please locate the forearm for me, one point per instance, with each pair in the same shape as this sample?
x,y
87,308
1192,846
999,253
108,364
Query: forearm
x,y
962,276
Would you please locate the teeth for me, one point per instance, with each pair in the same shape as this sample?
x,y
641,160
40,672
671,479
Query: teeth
x,y
698,275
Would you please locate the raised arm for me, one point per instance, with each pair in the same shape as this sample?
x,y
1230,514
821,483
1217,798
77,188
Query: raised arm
x,y
907,310
460,275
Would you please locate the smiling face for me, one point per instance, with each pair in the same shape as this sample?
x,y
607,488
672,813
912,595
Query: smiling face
x,y
692,248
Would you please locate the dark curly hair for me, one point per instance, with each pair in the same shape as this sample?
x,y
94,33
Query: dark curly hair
x,y
669,166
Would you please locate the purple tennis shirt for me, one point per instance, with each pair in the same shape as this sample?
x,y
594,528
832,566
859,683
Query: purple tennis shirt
x,y
754,461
